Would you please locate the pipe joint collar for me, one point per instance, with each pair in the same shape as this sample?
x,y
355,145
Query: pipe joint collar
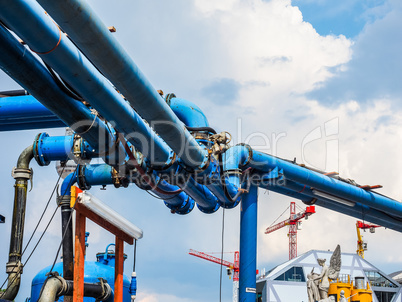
x,y
81,180
21,173
64,200
14,267
38,155
106,290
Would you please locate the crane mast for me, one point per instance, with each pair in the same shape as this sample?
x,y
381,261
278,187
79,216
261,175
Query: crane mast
x,y
292,222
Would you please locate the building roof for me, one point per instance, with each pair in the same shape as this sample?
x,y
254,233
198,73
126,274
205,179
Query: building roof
x,y
287,281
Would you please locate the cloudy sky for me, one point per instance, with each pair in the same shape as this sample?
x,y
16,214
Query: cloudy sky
x,y
312,79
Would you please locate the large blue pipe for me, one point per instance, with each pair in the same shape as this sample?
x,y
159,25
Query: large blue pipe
x,y
47,40
337,188
98,44
358,211
248,246
27,71
25,112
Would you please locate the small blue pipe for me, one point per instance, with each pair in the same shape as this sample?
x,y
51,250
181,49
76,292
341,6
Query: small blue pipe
x,y
79,72
69,181
51,148
189,113
248,246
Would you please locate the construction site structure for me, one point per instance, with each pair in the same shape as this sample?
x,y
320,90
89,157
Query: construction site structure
x,y
232,267
294,223
361,244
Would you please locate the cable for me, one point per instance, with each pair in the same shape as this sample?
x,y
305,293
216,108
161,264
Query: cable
x,y
222,243
40,238
135,252
209,129
280,216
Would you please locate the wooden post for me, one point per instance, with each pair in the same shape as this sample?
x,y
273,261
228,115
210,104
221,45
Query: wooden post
x,y
79,260
118,270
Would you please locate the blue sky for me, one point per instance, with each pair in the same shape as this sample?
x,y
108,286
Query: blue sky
x,y
272,73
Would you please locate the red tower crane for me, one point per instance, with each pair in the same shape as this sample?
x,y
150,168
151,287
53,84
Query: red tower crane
x,y
292,223
231,267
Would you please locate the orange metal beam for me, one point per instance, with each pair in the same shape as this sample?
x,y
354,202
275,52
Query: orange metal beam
x,y
79,259
103,223
118,270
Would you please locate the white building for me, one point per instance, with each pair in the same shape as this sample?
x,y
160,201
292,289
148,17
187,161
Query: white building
x,y
287,282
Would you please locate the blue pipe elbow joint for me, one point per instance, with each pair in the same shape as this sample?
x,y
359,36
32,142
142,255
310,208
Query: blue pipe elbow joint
x,y
183,209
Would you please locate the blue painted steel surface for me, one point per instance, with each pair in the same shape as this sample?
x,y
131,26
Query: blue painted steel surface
x,y
50,148
265,162
78,71
248,246
93,271
301,180
101,174
206,201
24,68
189,113
24,112
98,44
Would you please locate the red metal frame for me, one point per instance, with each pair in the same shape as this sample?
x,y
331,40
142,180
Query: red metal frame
x,y
82,213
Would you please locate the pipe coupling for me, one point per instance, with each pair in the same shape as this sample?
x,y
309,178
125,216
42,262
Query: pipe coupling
x,y
106,290
64,200
14,267
21,173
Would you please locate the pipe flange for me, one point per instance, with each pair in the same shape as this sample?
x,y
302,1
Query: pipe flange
x,y
233,172
106,290
169,96
22,173
82,184
63,200
250,153
37,150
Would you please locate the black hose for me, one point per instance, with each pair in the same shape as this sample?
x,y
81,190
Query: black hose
x,y
19,92
209,129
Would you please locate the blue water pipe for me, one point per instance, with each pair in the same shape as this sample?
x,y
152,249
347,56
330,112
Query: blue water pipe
x,y
25,112
248,246
24,68
79,72
358,211
302,175
189,113
76,70
97,43
102,174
